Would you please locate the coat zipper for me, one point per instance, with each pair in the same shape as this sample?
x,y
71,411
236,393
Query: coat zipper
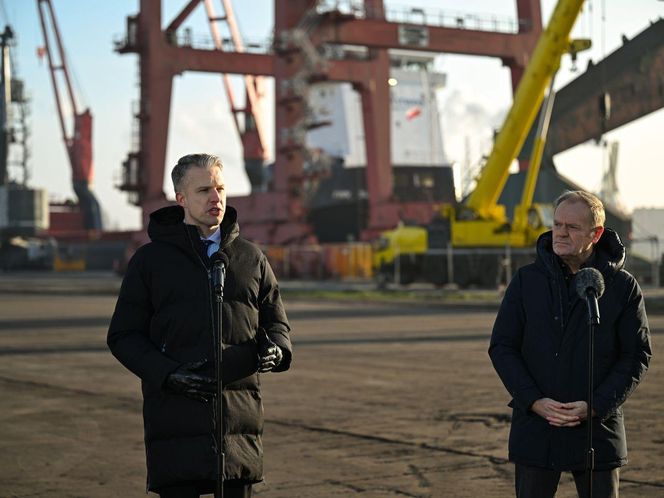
x,y
208,272
561,308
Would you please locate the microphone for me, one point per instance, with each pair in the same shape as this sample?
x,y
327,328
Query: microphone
x,y
219,262
590,286
219,258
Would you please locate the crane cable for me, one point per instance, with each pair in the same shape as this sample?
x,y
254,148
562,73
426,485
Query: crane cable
x,y
79,94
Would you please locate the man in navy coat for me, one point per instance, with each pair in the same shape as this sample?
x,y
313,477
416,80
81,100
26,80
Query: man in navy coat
x,y
539,347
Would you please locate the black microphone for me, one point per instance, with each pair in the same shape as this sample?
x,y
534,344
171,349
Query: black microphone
x,y
590,286
219,258
219,262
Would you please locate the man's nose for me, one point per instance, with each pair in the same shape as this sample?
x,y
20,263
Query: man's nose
x,y
215,196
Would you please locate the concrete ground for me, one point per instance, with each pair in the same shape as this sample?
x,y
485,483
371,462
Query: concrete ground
x,y
382,400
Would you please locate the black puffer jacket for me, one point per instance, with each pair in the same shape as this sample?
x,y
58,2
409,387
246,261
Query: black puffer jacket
x,y
539,347
164,318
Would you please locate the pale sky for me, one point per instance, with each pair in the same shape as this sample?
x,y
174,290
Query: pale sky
x,y
477,95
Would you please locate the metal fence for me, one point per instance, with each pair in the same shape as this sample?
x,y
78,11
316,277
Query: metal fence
x,y
464,267
477,267
494,267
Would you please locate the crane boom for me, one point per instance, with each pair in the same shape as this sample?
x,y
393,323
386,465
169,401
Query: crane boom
x,y
78,136
253,136
544,62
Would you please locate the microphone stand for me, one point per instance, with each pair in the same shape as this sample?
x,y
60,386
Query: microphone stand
x,y
593,321
218,278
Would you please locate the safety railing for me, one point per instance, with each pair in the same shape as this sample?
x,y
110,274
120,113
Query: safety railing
x,y
446,18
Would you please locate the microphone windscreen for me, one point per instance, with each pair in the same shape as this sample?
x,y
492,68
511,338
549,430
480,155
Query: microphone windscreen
x,y
589,279
219,258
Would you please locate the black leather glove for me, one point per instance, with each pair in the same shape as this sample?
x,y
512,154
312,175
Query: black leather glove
x,y
188,383
269,354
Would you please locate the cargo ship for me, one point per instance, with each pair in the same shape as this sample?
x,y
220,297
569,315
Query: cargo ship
x,y
338,201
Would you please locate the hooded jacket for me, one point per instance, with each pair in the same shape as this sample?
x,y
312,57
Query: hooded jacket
x,y
539,347
164,318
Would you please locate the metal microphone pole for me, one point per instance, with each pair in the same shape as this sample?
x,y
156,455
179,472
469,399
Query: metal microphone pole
x,y
218,278
590,286
593,321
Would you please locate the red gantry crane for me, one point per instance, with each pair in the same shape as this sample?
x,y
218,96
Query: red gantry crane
x,y
77,135
302,29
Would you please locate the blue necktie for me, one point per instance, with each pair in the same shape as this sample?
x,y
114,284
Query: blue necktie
x,y
205,243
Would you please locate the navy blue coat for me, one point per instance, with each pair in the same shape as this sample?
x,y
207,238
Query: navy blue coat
x,y
164,318
539,347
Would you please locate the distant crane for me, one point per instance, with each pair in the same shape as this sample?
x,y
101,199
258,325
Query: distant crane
x,y
22,209
14,110
253,135
609,191
78,140
5,102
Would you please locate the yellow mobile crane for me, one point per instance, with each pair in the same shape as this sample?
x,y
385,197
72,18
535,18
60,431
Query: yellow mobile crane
x,y
480,222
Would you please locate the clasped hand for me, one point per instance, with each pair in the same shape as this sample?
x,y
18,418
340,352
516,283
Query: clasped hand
x,y
561,414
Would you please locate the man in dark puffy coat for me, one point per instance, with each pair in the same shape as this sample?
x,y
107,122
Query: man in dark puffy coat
x,y
539,347
162,330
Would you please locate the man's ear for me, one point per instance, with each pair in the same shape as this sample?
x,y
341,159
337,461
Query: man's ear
x,y
598,234
180,199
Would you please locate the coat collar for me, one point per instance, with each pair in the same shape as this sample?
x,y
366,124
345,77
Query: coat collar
x,y
608,256
167,225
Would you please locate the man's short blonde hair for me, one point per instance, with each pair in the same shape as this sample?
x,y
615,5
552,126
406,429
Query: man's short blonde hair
x,y
597,214
179,171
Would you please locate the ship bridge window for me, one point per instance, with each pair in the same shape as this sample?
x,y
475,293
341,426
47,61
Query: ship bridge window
x,y
423,180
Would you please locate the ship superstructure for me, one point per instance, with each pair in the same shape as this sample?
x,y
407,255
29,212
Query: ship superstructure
x,y
338,202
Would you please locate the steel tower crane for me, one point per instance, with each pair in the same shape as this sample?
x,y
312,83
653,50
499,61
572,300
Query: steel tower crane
x,y
5,101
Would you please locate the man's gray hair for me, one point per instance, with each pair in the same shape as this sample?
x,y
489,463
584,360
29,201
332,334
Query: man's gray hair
x,y
597,214
179,171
